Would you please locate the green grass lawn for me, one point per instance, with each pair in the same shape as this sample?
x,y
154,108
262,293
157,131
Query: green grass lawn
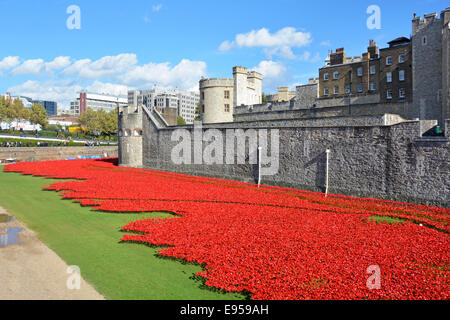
x,y
90,240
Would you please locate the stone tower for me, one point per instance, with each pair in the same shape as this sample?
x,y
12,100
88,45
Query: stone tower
x,y
430,47
130,136
445,18
240,86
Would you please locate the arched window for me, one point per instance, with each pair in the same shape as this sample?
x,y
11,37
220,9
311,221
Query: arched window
x,y
120,133
127,132
138,132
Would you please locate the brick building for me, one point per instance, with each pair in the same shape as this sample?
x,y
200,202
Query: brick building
x,y
396,71
386,72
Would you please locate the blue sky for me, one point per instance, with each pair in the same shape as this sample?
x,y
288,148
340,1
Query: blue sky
x,y
173,43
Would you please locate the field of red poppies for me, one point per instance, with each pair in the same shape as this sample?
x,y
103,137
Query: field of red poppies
x,y
274,243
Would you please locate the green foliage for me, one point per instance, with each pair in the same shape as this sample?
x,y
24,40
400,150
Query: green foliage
x,y
34,143
99,122
388,220
181,121
264,98
197,112
38,115
13,110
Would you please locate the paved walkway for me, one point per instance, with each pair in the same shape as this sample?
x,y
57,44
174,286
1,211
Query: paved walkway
x,y
29,270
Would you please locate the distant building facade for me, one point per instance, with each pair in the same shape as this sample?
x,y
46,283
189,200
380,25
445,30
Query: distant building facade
x,y
284,94
51,107
396,79
219,97
96,102
184,102
385,73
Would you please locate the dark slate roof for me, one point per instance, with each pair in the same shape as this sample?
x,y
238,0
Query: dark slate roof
x,y
400,40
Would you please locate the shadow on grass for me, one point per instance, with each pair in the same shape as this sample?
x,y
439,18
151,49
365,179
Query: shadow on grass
x,y
201,281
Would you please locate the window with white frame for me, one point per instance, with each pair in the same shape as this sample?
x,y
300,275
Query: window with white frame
x,y
401,75
326,76
336,75
389,94
389,77
360,72
401,58
360,87
336,89
226,94
227,108
389,61
373,69
325,92
348,89
373,86
401,93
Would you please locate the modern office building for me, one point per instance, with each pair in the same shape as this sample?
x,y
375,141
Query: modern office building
x,y
96,102
185,102
188,103
51,107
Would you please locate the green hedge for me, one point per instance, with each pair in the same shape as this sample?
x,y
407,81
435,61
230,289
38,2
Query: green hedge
x,y
33,143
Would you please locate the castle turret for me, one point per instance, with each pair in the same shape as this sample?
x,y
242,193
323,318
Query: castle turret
x,y
130,136
240,86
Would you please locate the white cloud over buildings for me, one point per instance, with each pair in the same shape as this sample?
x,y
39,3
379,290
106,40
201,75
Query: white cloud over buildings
x,y
279,43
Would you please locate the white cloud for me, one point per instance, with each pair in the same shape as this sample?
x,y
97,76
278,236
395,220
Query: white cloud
x,y
274,74
270,69
185,75
284,52
61,92
279,43
33,66
106,66
157,8
8,63
110,75
108,88
57,64
326,43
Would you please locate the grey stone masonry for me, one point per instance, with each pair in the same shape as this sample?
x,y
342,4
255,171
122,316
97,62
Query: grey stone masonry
x,y
380,157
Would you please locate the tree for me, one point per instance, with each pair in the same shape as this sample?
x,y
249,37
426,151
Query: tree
x,y
264,98
110,123
98,122
90,120
181,121
38,115
197,112
3,105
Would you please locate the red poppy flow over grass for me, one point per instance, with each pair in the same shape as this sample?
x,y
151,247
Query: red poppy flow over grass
x,y
275,243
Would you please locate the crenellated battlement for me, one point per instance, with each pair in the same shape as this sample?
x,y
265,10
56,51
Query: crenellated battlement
x,y
214,82
430,19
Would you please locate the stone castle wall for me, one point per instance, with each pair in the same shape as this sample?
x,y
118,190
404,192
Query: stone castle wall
x,y
367,159
290,110
55,153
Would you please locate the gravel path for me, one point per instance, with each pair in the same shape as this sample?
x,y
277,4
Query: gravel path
x,y
29,270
